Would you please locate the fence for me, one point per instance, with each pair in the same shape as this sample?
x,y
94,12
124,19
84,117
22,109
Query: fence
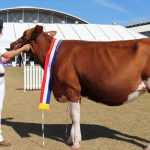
x,y
32,77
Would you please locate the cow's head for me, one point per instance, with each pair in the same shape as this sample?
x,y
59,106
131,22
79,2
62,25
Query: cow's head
x,y
29,36
38,39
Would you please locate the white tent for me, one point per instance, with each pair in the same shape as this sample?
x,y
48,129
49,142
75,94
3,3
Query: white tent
x,y
90,32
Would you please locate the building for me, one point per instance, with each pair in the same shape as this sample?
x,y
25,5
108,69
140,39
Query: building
x,y
37,15
143,28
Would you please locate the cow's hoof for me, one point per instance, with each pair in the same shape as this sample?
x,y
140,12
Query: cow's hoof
x,y
73,147
147,148
69,142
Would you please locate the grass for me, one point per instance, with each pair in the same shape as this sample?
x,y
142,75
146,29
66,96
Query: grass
x,y
126,127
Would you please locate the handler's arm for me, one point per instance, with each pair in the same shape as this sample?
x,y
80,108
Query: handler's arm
x,y
12,53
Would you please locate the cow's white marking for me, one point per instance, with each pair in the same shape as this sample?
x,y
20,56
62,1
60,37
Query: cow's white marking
x,y
75,135
147,83
137,93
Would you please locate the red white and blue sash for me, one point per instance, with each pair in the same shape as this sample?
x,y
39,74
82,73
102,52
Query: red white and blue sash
x,y
45,95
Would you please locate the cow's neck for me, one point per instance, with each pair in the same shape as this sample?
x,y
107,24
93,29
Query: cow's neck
x,y
40,48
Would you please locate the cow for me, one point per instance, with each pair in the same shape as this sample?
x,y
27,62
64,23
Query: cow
x,y
112,73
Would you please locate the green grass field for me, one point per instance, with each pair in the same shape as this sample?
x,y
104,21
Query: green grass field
x,y
125,127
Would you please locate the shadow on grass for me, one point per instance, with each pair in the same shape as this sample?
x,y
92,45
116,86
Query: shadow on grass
x,y
22,89
57,132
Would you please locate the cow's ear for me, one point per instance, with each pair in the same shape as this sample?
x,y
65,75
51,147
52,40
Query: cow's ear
x,y
51,33
37,30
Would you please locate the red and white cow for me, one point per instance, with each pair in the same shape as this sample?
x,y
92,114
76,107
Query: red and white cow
x,y
112,73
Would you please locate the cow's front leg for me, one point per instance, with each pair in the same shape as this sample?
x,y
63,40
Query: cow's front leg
x,y
75,136
71,137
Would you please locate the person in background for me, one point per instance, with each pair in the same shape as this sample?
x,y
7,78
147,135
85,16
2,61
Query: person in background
x,y
5,56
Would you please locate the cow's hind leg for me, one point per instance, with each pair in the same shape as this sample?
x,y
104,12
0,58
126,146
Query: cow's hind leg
x,y
147,84
141,89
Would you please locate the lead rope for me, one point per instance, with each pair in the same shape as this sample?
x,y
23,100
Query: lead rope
x,y
43,135
66,132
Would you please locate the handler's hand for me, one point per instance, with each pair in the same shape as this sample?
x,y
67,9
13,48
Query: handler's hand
x,y
26,48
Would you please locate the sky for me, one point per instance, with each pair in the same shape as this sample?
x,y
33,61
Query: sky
x,y
122,12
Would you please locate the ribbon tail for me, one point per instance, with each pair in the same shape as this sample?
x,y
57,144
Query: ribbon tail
x,y
44,106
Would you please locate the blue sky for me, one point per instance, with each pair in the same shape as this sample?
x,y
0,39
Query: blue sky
x,y
93,11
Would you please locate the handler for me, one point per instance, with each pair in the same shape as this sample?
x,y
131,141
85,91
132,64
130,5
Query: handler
x,y
5,56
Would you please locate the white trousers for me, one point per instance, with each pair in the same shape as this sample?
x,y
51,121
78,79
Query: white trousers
x,y
2,93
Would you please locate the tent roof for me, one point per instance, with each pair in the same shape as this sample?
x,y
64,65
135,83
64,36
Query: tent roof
x,y
90,32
